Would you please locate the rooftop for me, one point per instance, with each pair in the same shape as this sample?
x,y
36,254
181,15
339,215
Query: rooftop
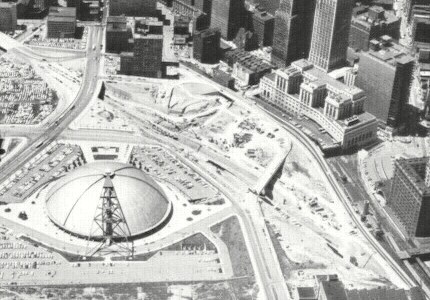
x,y
373,16
253,63
62,11
306,293
389,52
262,15
314,74
7,4
63,14
333,290
379,293
117,19
75,198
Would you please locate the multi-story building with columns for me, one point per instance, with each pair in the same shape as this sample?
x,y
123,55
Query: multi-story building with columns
x,y
306,90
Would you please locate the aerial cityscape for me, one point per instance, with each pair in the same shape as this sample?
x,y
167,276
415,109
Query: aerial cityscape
x,y
215,149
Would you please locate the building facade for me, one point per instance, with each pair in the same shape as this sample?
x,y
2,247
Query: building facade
x,y
330,33
61,22
421,26
409,199
228,16
206,46
303,89
385,74
292,31
8,16
263,25
146,57
133,8
117,34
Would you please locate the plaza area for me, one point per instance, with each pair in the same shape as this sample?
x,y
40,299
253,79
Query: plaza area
x,y
377,165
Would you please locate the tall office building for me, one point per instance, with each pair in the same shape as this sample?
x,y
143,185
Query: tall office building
x,y
133,8
7,16
61,22
117,34
293,31
206,46
409,199
41,5
385,74
146,58
229,16
263,25
330,33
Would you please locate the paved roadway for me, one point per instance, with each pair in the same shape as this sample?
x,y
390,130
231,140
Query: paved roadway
x,y
44,136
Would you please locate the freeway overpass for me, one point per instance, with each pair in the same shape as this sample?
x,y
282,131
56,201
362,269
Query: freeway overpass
x,y
271,170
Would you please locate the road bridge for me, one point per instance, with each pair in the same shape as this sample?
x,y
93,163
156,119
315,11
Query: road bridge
x,y
271,170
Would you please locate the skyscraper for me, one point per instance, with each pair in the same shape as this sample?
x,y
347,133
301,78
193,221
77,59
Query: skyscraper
x,y
61,22
228,16
117,34
385,74
206,46
146,58
7,16
263,25
330,33
409,199
293,31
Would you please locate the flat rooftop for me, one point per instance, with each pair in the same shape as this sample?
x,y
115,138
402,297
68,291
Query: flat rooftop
x,y
362,17
390,53
116,19
315,74
65,14
7,4
262,15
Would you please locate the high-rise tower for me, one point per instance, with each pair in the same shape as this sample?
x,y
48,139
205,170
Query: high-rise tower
x,y
229,16
293,31
330,32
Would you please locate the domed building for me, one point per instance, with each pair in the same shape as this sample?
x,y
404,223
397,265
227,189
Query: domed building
x,y
108,201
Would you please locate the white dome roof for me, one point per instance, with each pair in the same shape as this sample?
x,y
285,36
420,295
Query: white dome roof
x,y
74,201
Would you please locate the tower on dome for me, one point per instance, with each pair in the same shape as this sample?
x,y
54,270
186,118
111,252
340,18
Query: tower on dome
x,y
110,220
108,204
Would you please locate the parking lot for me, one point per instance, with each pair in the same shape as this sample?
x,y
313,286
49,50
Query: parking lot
x,y
40,39
24,97
43,168
162,165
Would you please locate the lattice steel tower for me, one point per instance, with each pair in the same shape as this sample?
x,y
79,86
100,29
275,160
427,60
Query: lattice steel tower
x,y
109,219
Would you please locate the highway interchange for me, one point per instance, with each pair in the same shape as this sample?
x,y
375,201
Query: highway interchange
x,y
263,256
